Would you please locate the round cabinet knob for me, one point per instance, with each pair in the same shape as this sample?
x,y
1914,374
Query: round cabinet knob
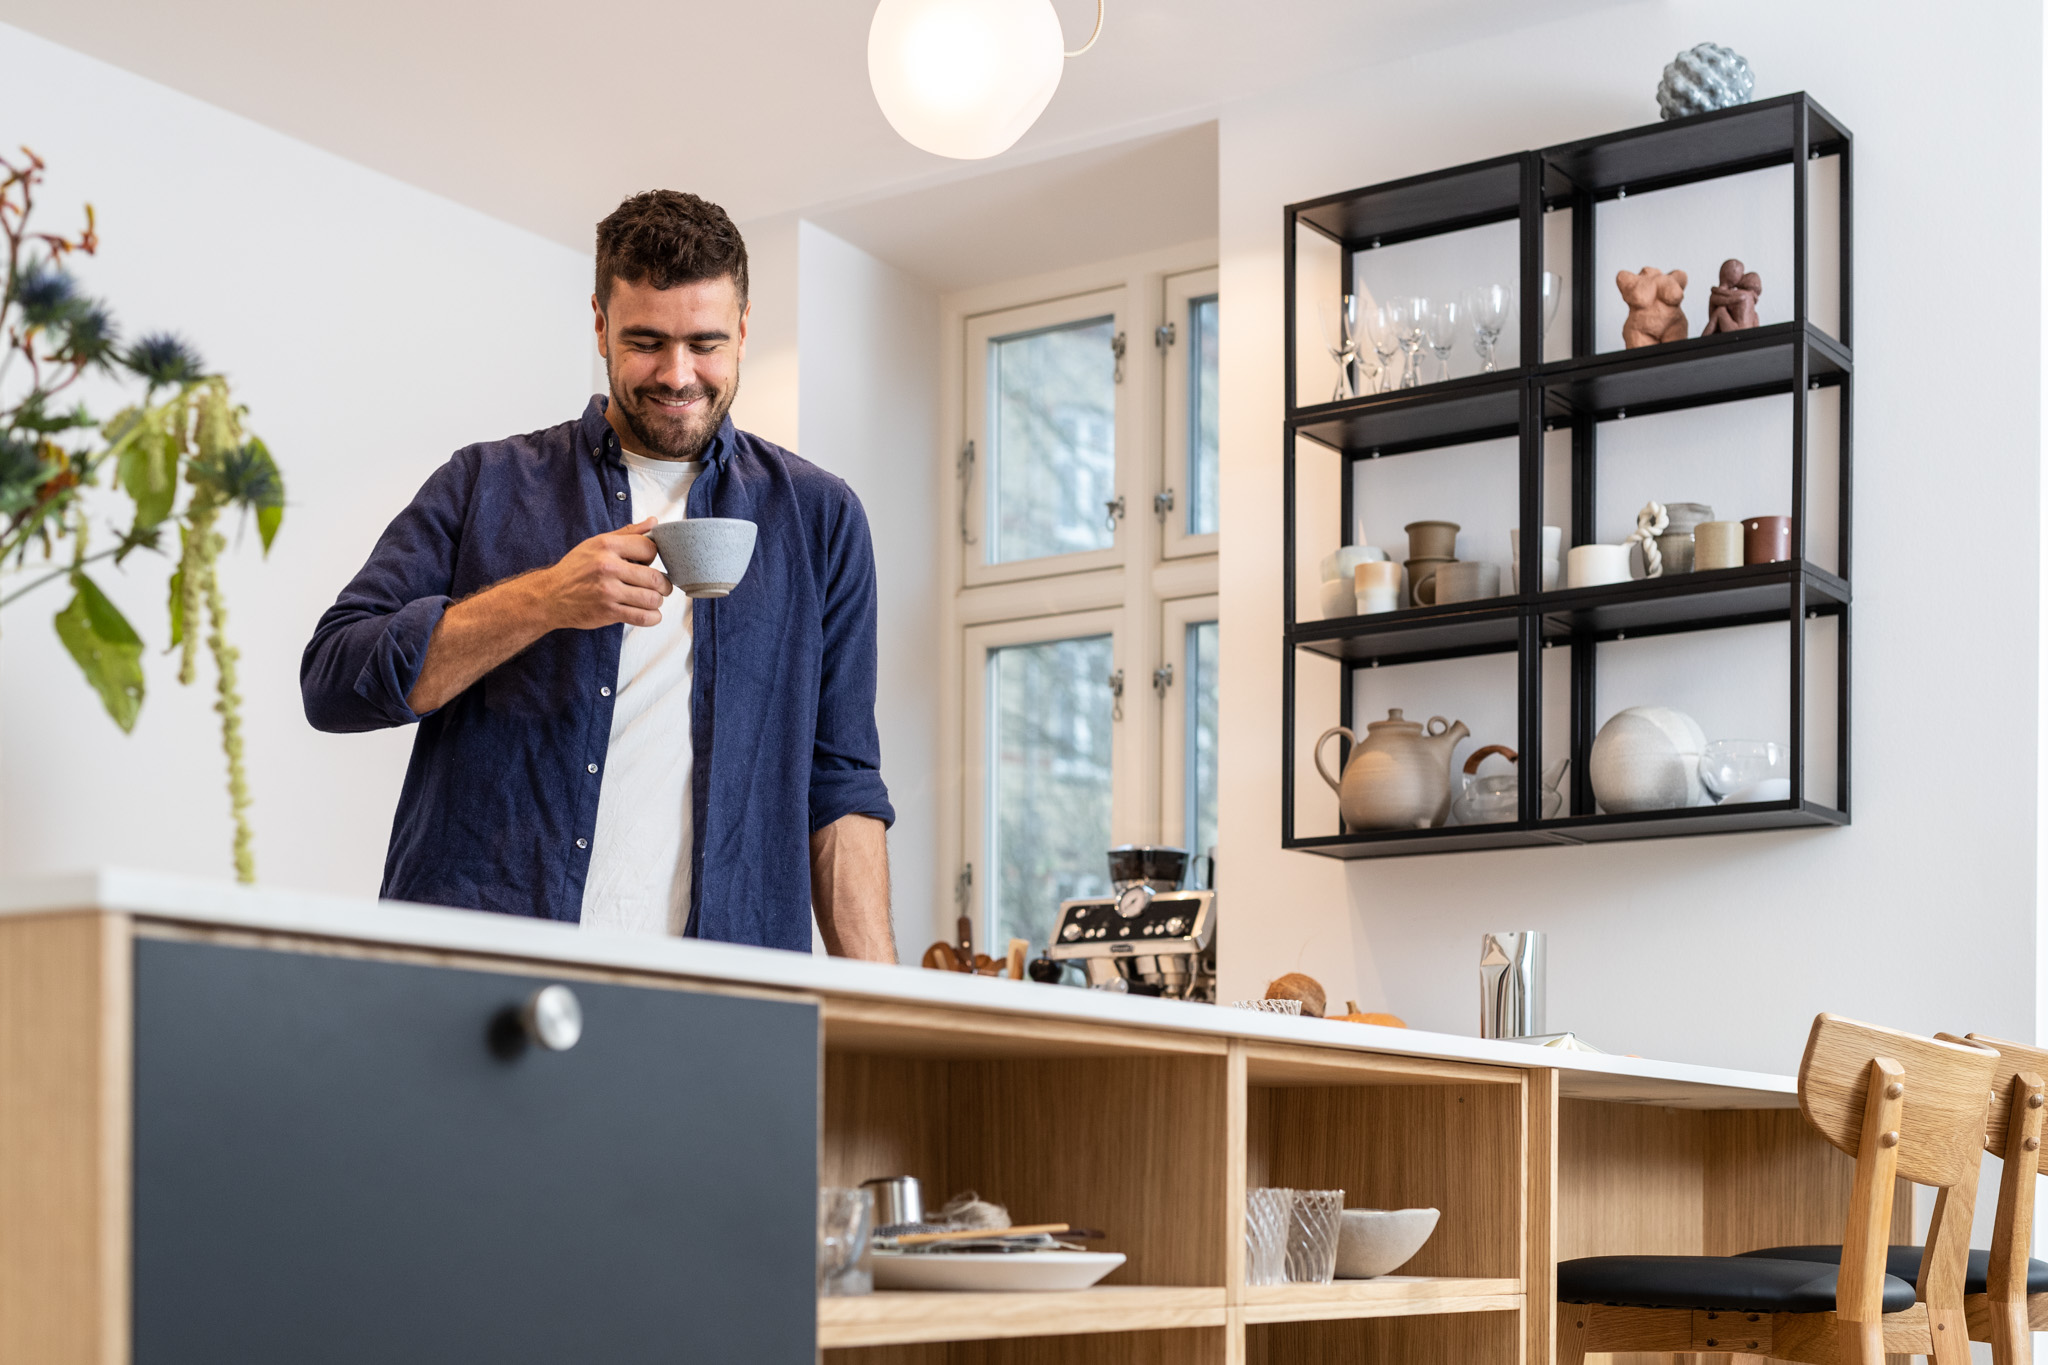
x,y
1071,932
553,1017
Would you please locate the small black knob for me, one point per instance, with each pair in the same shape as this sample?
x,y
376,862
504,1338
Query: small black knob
x,y
1046,971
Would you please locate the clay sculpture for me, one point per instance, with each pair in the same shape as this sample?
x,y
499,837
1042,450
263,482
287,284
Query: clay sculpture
x,y
1653,300
1731,304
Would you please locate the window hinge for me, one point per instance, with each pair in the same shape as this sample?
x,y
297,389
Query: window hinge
x,y
1163,335
1116,692
1162,678
1113,511
963,886
1162,503
1116,347
965,471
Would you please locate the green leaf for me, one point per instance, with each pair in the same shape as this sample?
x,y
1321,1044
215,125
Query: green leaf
x,y
106,648
268,519
148,471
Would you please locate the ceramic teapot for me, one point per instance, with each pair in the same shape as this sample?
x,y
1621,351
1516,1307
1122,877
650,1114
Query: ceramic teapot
x,y
1399,776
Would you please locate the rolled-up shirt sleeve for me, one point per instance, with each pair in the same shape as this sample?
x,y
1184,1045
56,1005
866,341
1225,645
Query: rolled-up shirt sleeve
x,y
366,654
846,755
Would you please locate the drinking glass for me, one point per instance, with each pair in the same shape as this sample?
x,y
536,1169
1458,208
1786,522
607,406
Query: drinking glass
x,y
1411,320
1489,306
845,1217
1312,1236
1446,320
1267,1213
1341,339
1739,770
1386,342
1553,290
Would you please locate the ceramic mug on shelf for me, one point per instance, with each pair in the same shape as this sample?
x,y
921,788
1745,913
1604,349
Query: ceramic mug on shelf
x,y
1766,540
1591,565
1467,580
1376,586
1422,580
1432,539
1340,562
1553,539
1717,545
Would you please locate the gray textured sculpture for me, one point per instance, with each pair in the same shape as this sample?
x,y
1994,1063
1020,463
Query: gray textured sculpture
x,y
1702,78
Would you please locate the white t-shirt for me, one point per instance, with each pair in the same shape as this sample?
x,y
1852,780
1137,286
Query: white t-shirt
x,y
640,852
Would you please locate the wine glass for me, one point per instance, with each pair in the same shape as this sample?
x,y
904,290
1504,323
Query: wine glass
x,y
1490,306
1411,321
1342,342
1385,339
1446,320
1553,290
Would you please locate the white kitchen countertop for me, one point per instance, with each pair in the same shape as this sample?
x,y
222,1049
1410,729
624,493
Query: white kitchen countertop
x,y
266,909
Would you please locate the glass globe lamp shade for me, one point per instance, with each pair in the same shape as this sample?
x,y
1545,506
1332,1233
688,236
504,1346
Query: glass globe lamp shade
x,y
964,78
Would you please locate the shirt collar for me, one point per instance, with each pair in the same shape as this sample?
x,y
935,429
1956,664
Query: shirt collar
x,y
602,441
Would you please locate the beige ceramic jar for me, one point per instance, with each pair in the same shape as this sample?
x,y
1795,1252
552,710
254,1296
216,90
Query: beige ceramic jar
x,y
1399,776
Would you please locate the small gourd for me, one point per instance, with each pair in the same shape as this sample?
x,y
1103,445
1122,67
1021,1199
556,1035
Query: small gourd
x,y
1356,1016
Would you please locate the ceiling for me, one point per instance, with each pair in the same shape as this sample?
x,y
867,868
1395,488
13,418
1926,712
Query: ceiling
x,y
545,114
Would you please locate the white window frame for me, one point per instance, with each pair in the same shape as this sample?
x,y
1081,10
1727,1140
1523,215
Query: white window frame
x,y
1181,291
1046,599
983,329
1176,615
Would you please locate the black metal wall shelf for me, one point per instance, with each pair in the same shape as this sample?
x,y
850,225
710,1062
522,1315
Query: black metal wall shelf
x,y
1590,388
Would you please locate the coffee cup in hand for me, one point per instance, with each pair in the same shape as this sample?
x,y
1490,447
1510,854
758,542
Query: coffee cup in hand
x,y
705,556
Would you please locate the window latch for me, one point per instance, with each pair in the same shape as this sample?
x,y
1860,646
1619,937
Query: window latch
x,y
1162,678
1162,503
1116,348
963,886
1113,513
964,470
1116,692
1163,335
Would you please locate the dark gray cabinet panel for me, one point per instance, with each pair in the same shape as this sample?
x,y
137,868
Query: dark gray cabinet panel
x,y
332,1164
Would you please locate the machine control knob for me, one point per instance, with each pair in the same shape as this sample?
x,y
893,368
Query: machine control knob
x,y
1071,932
553,1017
1177,925
1124,932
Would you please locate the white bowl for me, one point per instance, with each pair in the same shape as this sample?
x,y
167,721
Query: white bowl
x,y
1340,563
1339,598
1374,1242
967,1271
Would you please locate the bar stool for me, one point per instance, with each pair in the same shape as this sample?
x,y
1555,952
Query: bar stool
x,y
2005,1290
1901,1105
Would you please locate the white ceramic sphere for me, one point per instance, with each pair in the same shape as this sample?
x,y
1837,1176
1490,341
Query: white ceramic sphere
x,y
964,78
1647,758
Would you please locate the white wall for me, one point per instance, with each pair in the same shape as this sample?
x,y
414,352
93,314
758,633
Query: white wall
x,y
1922,913
372,329
868,336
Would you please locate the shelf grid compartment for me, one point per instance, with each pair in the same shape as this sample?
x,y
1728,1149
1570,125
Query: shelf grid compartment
x,y
1395,1133
1464,1339
1575,397
1185,1346
1057,1125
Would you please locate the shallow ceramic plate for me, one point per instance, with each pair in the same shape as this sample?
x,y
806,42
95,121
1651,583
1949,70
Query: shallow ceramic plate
x,y
967,1270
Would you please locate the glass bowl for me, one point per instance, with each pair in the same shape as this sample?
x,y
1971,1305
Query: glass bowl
x,y
1736,771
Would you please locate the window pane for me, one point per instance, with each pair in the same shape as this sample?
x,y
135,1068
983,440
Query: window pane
x,y
1201,738
1049,728
1052,400
1202,416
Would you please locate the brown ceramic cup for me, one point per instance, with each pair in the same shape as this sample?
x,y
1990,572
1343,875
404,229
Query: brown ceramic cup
x,y
1422,579
1766,540
1432,539
1717,545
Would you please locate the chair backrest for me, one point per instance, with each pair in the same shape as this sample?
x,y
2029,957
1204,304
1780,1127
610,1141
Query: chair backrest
x,y
2018,1058
1943,1113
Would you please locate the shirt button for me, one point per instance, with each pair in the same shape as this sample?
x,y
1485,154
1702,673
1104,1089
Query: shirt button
x,y
583,843
622,495
593,767
604,691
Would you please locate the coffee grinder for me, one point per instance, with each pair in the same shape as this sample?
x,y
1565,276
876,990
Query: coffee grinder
x,y
1149,936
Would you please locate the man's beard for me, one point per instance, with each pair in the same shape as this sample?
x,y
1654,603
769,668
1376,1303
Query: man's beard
x,y
676,436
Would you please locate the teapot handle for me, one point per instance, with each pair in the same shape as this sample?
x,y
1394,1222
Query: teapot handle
x,y
1335,785
1479,756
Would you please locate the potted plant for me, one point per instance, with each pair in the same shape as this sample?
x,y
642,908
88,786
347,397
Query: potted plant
x,y
178,457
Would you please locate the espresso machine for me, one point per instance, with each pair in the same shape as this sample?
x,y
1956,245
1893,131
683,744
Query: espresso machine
x,y
1148,936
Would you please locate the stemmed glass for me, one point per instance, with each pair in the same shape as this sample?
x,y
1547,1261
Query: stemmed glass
x,y
1342,343
1553,290
1446,320
1490,306
1385,339
1411,320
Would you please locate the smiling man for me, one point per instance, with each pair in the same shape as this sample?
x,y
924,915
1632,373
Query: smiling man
x,y
593,747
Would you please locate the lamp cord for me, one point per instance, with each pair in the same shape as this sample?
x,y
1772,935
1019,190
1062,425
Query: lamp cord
x,y
1093,36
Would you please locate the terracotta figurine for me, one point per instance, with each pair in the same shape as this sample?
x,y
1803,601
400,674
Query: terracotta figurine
x,y
1653,300
1731,304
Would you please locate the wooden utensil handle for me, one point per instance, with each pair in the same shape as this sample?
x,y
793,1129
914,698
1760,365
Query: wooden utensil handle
x,y
1479,757
976,1234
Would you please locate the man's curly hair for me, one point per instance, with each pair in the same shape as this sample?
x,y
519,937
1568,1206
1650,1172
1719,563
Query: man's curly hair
x,y
666,238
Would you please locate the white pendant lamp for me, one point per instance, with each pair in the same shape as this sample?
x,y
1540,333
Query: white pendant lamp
x,y
966,78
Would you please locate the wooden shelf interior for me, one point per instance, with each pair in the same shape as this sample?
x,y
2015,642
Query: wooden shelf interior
x,y
1446,1339
1186,1346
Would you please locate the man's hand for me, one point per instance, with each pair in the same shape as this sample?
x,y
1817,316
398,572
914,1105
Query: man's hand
x,y
850,888
603,581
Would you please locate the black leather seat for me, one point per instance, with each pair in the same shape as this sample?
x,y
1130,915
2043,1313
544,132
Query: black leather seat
x,y
1741,1284
1904,1262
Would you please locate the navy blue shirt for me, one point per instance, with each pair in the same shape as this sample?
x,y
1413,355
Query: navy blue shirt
x,y
500,798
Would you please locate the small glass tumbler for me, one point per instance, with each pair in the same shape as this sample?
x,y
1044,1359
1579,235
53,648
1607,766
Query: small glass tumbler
x,y
1266,1216
845,1217
1312,1236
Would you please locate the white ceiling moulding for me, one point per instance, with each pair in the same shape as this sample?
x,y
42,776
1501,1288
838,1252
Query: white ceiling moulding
x,y
967,78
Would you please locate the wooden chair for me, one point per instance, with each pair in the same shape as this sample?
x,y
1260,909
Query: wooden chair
x,y
1902,1106
2005,1290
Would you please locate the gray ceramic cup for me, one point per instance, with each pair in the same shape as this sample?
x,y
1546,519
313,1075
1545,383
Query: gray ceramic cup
x,y
705,556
